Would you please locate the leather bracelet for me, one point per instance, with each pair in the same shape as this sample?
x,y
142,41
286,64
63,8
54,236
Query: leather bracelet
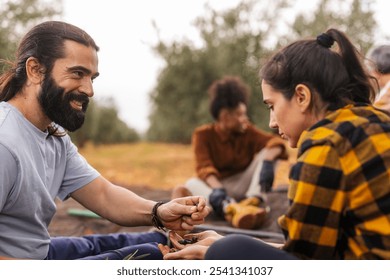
x,y
156,222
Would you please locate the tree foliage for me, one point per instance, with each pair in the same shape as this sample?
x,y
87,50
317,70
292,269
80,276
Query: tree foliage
x,y
231,46
235,42
356,19
17,16
102,123
103,126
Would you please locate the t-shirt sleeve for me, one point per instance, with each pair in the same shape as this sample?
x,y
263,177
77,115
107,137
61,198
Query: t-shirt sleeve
x,y
78,172
8,174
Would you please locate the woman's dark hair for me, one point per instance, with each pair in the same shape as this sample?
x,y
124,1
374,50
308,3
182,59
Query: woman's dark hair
x,y
336,75
45,42
228,93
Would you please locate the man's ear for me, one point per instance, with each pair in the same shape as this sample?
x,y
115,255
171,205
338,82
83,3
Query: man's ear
x,y
303,97
34,71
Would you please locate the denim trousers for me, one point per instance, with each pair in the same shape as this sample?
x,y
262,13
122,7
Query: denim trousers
x,y
116,246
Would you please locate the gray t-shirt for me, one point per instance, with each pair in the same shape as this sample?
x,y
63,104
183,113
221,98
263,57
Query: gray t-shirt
x,y
34,169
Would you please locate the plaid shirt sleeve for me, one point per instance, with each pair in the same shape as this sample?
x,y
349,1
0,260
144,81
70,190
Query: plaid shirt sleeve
x,y
340,191
312,221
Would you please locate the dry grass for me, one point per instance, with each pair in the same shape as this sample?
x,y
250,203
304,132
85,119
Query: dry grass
x,y
154,165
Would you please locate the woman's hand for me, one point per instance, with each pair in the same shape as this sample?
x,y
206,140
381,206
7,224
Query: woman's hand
x,y
195,251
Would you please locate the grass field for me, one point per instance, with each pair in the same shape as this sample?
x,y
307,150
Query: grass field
x,y
154,165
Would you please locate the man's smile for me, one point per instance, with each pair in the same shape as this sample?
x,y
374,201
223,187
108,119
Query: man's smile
x,y
77,105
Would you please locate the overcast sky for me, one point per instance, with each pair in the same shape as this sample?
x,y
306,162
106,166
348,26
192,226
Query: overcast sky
x,y
124,32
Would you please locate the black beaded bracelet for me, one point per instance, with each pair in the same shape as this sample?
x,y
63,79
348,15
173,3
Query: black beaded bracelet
x,y
155,218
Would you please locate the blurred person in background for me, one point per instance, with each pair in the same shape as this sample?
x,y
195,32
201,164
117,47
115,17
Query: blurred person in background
x,y
234,159
379,67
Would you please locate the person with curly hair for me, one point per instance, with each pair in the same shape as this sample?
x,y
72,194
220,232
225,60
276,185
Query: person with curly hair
x,y
234,159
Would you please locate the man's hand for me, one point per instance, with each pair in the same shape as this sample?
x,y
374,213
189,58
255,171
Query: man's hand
x,y
183,213
195,251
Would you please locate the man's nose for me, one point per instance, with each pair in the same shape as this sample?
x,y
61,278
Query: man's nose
x,y
87,87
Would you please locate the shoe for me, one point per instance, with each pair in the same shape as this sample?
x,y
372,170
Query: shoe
x,y
246,214
249,217
253,200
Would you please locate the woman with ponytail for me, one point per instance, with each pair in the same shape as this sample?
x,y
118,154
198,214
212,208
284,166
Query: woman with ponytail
x,y
320,100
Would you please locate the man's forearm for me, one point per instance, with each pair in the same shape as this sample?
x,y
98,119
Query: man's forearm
x,y
117,204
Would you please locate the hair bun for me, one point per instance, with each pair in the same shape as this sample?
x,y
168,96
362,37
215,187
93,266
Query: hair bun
x,y
325,40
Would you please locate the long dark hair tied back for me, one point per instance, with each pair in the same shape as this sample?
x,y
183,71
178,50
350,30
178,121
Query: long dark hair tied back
x,y
336,74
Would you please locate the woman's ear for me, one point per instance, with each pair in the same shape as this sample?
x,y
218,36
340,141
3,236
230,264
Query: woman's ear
x,y
303,97
34,71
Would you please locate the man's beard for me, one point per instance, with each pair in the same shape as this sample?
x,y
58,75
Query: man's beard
x,y
56,105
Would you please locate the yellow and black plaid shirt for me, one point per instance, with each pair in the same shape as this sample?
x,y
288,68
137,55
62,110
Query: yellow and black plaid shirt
x,y
340,188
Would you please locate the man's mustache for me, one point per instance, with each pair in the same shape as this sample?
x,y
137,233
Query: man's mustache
x,y
78,97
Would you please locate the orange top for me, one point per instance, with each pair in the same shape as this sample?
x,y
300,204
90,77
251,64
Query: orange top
x,y
224,155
